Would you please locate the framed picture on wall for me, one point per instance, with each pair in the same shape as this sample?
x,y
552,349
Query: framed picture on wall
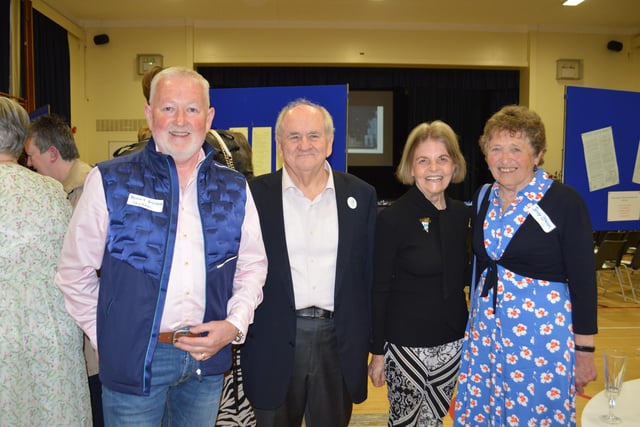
x,y
370,128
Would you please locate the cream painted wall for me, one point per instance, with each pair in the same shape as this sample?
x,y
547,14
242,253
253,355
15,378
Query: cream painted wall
x,y
105,85
360,47
601,69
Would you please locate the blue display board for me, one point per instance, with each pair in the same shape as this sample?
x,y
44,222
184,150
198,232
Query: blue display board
x,y
45,110
259,107
589,109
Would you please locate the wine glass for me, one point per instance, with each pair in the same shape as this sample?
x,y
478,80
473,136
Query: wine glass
x,y
615,363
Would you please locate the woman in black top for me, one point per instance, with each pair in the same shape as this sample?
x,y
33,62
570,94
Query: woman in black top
x,y
419,304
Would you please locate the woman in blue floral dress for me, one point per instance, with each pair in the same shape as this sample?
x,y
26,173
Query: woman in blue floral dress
x,y
529,342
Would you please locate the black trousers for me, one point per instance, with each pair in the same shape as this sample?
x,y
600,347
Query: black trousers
x,y
316,390
95,389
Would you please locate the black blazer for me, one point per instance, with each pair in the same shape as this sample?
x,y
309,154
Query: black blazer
x,y
267,357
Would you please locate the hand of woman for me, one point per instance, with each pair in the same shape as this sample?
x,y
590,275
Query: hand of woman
x,y
585,362
376,370
585,369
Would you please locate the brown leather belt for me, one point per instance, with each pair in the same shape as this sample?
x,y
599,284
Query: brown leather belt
x,y
171,337
314,313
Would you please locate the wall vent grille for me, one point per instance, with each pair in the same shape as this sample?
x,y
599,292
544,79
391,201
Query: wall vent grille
x,y
120,125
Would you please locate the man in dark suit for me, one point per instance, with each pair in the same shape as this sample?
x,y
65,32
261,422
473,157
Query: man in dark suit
x,y
306,352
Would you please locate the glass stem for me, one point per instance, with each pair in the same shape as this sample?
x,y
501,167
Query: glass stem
x,y
612,405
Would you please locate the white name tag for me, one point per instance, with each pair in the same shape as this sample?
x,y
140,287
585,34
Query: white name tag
x,y
145,202
542,218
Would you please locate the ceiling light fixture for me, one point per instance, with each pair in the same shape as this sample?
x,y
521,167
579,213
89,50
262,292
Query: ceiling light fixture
x,y
572,2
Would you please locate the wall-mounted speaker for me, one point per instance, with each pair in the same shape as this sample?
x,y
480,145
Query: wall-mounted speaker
x,y
614,46
101,39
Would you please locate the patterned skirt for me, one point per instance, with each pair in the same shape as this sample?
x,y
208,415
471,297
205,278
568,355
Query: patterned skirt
x,y
420,383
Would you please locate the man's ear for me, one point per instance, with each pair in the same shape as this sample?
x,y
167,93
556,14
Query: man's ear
x,y
54,154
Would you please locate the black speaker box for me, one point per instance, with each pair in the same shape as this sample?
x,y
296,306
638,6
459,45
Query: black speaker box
x,y
614,46
101,39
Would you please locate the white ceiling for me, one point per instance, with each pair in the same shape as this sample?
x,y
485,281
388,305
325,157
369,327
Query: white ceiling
x,y
597,16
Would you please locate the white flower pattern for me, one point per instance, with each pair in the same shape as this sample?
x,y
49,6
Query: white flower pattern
x,y
517,362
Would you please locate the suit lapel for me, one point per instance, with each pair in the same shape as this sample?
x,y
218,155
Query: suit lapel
x,y
344,225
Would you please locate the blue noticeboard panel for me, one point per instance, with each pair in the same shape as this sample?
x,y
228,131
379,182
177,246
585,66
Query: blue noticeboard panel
x,y
259,107
589,109
40,111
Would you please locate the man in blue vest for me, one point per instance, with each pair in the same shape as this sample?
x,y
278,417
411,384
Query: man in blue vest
x,y
177,240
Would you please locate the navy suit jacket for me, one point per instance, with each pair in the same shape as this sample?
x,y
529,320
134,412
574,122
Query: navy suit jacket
x,y
267,357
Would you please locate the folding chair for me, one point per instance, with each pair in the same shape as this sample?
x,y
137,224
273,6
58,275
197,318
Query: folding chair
x,y
608,258
633,239
631,267
600,236
615,235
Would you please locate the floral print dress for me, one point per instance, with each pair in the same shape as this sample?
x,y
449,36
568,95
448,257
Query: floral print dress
x,y
518,357
43,379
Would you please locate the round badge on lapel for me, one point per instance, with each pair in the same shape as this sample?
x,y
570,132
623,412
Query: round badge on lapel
x,y
351,202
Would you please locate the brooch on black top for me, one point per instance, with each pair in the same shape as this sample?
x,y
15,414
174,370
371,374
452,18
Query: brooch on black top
x,y
425,221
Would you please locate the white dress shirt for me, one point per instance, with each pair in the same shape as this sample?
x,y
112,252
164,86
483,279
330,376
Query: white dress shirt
x,y
311,229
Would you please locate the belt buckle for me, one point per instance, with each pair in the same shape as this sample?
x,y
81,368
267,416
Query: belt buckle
x,y
184,331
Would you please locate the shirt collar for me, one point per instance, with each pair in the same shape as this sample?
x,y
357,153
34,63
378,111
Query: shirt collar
x,y
287,182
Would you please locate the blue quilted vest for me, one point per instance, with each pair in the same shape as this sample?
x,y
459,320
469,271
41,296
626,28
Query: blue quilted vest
x,y
142,193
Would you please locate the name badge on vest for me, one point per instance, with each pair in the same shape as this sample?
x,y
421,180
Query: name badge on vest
x,y
542,218
153,205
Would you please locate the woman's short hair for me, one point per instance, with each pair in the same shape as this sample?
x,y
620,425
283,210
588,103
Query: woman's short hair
x,y
518,120
438,131
14,124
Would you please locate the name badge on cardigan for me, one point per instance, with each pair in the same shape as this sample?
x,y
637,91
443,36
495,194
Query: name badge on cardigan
x,y
542,218
147,203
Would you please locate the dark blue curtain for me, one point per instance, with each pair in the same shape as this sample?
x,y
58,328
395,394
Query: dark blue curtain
x,y
51,66
5,52
463,98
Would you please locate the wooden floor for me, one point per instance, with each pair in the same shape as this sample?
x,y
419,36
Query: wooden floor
x,y
619,327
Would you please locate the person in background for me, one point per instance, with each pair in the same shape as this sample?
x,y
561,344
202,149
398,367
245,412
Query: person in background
x,y
42,374
419,303
177,240
306,353
51,151
147,78
144,133
529,342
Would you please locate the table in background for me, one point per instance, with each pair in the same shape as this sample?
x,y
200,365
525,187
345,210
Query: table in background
x,y
627,406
